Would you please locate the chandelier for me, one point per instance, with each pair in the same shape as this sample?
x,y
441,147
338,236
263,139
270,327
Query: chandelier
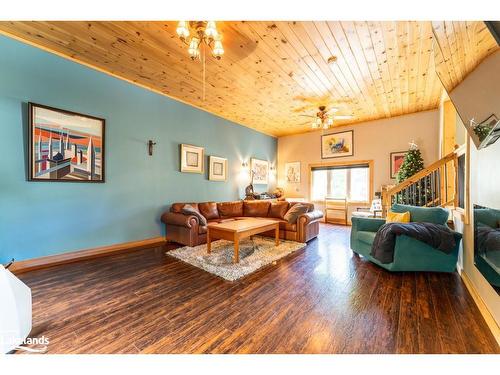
x,y
196,33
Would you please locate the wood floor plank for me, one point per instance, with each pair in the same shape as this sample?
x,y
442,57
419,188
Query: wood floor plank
x,y
323,299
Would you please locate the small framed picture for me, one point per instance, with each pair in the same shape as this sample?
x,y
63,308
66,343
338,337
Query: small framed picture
x,y
217,168
192,158
260,171
396,161
337,145
292,172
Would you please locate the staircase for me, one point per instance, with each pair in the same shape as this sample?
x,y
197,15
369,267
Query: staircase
x,y
433,186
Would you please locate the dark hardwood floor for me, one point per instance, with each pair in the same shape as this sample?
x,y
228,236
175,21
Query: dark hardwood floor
x,y
323,299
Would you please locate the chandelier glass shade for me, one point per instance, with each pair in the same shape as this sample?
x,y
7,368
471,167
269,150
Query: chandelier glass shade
x,y
194,33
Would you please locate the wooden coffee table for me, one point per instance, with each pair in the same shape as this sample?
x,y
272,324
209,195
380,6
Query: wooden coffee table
x,y
238,229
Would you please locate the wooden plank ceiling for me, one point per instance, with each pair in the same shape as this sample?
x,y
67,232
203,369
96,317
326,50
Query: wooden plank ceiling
x,y
459,47
271,72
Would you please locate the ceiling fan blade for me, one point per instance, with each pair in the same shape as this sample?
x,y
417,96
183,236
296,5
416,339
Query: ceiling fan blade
x,y
332,110
343,117
307,116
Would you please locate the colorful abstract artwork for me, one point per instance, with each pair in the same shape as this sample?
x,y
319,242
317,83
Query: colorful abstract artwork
x,y
337,145
65,146
396,161
260,171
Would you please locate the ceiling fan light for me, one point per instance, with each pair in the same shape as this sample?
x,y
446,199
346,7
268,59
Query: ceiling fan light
x,y
329,121
314,125
318,121
182,30
325,126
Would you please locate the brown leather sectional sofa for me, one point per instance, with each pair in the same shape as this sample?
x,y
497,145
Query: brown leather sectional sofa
x,y
186,229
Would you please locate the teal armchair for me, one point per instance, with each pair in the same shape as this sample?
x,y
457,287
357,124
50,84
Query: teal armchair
x,y
409,253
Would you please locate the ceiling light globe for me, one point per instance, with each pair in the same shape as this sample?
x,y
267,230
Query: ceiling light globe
x,y
218,50
182,30
193,49
211,30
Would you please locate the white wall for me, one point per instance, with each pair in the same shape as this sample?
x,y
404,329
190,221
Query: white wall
x,y
478,95
373,140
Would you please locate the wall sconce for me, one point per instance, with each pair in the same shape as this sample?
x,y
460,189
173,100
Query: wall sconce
x,y
244,164
150,147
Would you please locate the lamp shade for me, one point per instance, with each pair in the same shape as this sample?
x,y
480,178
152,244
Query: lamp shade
x,y
15,314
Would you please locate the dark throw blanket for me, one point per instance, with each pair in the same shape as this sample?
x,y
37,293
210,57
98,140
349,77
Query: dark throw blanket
x,y
435,235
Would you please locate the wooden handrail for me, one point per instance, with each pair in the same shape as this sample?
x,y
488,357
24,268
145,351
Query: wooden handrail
x,y
437,174
423,173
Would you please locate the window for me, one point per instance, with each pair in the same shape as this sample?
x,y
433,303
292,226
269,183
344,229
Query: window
x,y
350,182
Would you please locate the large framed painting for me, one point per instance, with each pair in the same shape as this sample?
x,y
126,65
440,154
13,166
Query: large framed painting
x,y
192,159
65,146
217,168
396,161
337,145
260,171
292,172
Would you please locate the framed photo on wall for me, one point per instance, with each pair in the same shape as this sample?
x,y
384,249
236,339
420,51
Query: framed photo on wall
x,y
65,146
192,159
217,168
337,145
396,161
260,171
292,172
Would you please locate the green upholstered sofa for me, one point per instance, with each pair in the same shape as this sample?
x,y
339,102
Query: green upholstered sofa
x,y
490,218
409,253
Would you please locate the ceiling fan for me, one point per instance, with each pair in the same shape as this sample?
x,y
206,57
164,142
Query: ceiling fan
x,y
324,118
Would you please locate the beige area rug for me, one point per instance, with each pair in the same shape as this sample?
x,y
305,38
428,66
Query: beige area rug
x,y
254,254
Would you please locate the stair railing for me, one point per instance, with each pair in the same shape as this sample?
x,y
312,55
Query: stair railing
x,y
433,186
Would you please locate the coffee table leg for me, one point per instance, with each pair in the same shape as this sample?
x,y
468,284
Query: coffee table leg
x,y
236,249
277,230
209,242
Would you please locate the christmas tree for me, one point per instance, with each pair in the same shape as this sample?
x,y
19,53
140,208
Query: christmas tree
x,y
412,163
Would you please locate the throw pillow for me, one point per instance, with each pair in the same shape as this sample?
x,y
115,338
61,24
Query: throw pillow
x,y
294,212
397,217
190,210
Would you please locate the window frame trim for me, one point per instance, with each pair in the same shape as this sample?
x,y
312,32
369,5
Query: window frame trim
x,y
339,164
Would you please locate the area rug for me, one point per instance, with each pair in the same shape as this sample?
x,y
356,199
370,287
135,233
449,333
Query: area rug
x,y
254,253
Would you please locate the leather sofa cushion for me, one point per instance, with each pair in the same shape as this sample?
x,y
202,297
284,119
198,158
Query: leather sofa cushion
x,y
209,210
177,207
278,209
285,225
256,208
366,237
230,209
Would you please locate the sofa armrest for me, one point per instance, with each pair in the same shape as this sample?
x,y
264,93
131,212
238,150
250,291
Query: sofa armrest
x,y
179,219
310,217
366,224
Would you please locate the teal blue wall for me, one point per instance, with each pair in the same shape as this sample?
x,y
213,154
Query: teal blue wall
x,y
43,218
